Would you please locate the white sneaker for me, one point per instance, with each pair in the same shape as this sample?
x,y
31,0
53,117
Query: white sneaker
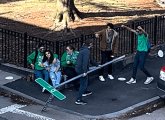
x,y
101,78
43,89
131,81
148,80
110,77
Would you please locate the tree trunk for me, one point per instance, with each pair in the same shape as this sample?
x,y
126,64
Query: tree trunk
x,y
65,12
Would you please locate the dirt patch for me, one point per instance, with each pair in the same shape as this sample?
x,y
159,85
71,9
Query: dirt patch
x,y
36,16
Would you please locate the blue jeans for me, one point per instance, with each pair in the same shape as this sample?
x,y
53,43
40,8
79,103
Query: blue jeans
x,y
83,87
139,60
55,77
44,74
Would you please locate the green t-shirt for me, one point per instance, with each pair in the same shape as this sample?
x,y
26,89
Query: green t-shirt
x,y
67,57
142,42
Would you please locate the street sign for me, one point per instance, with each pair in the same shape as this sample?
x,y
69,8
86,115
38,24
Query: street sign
x,y
50,88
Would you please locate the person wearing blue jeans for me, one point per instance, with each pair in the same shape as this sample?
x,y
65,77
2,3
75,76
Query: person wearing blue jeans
x,y
35,60
82,66
52,65
141,54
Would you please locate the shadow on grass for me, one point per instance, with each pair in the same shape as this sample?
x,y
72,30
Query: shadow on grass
x,y
124,13
8,1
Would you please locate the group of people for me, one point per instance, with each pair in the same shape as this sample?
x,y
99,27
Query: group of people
x,y
47,65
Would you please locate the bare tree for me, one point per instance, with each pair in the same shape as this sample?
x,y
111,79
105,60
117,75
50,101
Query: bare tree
x,y
65,12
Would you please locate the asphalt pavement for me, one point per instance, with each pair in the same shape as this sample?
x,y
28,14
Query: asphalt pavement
x,y
111,98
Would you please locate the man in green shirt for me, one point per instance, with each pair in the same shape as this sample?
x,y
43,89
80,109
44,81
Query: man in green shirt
x,y
141,54
35,60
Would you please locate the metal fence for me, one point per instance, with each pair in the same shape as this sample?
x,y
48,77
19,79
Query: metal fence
x,y
14,46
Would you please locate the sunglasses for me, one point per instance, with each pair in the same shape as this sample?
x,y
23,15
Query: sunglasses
x,y
67,49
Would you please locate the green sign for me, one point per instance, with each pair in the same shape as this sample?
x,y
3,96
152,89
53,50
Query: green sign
x,y
50,88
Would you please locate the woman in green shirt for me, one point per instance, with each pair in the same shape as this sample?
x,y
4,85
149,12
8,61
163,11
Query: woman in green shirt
x,y
68,62
141,54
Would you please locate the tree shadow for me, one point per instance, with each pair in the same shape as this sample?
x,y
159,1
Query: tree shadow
x,y
8,1
124,13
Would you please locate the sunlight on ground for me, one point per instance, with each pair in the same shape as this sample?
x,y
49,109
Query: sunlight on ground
x,y
41,12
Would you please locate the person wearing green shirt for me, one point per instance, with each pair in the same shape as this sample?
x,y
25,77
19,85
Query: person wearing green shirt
x,y
141,54
35,60
68,62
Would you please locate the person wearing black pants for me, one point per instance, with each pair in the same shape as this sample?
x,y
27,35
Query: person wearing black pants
x,y
68,61
109,47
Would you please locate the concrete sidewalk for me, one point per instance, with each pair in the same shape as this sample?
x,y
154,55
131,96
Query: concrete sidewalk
x,y
112,98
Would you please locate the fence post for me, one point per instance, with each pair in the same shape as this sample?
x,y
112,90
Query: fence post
x,y
155,29
132,37
58,48
25,50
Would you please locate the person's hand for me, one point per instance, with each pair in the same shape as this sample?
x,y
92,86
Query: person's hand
x,y
97,35
84,74
32,66
112,56
68,62
139,27
122,25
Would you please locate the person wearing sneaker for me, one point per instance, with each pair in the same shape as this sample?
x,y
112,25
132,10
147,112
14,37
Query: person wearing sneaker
x,y
82,66
141,54
109,48
35,60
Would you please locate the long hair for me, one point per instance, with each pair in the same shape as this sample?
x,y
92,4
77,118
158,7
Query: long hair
x,y
46,59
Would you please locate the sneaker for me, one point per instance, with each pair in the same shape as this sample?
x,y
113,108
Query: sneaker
x,y
131,81
87,93
148,80
110,77
101,78
43,89
80,102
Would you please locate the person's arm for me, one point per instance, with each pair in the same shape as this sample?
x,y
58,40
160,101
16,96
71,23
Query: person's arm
x,y
63,60
97,34
115,46
30,59
130,29
144,32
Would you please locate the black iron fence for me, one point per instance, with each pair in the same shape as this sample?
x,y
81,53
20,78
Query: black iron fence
x,y
14,46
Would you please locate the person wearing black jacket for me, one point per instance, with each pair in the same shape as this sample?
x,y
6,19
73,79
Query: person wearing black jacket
x,y
82,66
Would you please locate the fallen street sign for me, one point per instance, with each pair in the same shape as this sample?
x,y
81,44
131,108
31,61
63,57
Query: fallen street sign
x,y
50,88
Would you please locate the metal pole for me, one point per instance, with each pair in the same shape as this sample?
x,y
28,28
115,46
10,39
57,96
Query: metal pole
x,y
99,67
49,100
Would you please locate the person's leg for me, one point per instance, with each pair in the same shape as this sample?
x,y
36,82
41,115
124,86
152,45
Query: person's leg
x,y
46,75
53,78
70,72
110,58
38,74
58,77
103,70
83,87
103,60
142,63
142,68
135,67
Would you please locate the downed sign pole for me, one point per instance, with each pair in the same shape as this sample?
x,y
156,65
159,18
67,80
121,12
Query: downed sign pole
x,y
72,79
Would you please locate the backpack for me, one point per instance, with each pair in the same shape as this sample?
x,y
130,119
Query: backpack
x,y
148,45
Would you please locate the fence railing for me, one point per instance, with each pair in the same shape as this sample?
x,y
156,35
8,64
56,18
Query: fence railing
x,y
14,46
